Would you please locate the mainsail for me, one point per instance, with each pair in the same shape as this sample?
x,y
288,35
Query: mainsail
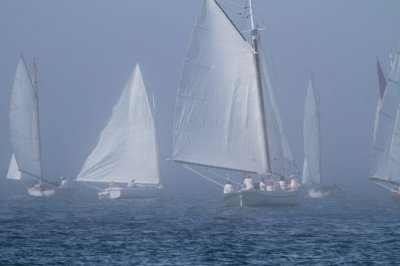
x,y
24,123
218,120
127,148
385,132
312,137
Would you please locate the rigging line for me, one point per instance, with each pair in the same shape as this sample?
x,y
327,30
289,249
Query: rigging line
x,y
202,175
221,176
92,186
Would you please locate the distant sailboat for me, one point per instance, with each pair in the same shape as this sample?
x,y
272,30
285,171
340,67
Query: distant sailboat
x,y
387,130
226,116
312,145
26,162
126,155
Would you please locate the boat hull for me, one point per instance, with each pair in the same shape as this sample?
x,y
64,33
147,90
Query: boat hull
x,y
41,192
257,198
130,193
315,194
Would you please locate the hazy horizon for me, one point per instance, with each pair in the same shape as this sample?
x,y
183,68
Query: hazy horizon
x,y
85,51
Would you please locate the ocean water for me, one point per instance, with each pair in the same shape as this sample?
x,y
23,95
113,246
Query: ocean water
x,y
348,229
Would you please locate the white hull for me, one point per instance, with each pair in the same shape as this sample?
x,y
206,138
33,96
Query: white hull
x,y
315,194
395,194
41,192
257,198
130,193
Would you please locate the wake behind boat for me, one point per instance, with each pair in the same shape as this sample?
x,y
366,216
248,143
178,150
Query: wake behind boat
x,y
226,117
126,155
26,161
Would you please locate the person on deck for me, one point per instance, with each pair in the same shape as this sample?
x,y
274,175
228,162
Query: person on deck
x,y
64,182
131,183
248,183
262,185
228,188
282,183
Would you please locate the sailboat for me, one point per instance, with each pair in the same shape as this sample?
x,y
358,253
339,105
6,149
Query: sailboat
x,y
226,118
387,130
126,155
26,161
312,146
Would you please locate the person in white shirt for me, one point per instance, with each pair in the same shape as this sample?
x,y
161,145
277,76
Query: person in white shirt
x,y
131,183
262,185
269,186
228,188
248,183
282,183
64,182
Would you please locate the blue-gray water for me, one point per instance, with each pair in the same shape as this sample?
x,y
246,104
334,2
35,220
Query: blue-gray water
x,y
184,231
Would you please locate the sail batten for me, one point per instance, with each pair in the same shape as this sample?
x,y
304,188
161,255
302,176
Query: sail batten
x,y
127,148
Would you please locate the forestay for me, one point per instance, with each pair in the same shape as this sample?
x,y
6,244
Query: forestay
x,y
24,123
385,124
127,148
312,137
217,120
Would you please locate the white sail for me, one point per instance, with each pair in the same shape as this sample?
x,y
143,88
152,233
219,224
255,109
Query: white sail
x,y
13,172
217,120
127,148
312,138
385,122
24,123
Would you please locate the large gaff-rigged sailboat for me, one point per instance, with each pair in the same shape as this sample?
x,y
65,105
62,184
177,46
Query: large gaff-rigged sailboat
x,y
126,155
387,130
226,116
312,145
26,162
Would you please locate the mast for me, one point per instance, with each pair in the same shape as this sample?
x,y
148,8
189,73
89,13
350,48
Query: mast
x,y
254,35
157,141
37,113
316,95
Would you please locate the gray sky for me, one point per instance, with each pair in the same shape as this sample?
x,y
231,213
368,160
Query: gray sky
x,y
86,50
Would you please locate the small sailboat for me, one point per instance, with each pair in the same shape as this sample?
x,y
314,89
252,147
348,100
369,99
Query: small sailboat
x,y
26,161
387,130
126,155
226,118
312,146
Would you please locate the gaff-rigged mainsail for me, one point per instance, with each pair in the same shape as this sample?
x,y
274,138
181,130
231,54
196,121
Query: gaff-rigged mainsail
x,y
218,120
24,123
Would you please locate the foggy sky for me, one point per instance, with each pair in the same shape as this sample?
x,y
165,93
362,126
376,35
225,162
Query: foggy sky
x,y
85,51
